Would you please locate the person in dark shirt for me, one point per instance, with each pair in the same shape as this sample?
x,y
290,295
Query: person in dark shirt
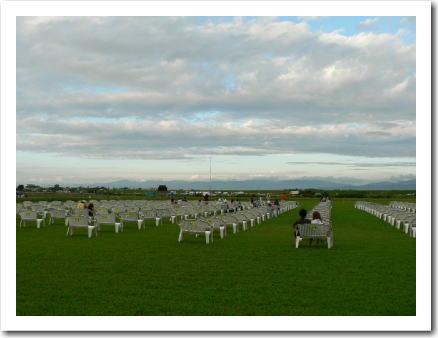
x,y
276,207
90,209
302,220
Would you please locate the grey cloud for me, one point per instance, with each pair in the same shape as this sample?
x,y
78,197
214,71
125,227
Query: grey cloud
x,y
159,69
192,76
359,164
182,139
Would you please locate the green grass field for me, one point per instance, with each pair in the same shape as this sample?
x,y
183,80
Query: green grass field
x,y
370,271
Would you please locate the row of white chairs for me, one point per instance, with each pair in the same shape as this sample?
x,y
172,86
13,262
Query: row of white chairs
x,y
239,219
109,206
411,207
118,215
395,216
172,212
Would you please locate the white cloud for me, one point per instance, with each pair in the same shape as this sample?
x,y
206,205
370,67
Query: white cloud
x,y
368,23
246,86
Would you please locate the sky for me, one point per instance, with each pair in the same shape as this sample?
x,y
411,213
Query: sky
x,y
101,99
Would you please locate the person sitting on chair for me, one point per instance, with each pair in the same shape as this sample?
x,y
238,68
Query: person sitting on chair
x,y
81,205
316,218
90,209
302,220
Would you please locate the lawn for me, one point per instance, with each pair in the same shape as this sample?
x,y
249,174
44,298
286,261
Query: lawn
x,y
370,271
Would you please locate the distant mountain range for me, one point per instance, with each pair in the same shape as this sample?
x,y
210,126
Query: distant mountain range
x,y
260,184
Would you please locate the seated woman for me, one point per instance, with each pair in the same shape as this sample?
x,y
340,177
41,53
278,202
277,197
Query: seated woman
x,y
81,205
316,218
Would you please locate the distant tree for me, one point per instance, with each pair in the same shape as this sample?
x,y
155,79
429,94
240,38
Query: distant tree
x,y
20,187
33,187
162,188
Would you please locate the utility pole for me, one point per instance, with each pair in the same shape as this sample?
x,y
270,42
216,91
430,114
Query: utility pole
x,y
210,176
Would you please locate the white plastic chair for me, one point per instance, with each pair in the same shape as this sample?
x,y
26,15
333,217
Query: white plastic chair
x,y
196,227
80,222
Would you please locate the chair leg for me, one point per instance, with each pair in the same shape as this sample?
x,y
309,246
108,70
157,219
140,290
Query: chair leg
x,y
221,229
157,221
329,242
297,242
207,237
244,225
181,236
234,228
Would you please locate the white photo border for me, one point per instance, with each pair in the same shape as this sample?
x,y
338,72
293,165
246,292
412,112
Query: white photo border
x,y
9,12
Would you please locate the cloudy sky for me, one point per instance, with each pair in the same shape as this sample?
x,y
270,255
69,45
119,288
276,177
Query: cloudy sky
x,y
107,98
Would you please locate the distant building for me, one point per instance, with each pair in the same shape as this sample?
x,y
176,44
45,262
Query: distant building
x,y
294,192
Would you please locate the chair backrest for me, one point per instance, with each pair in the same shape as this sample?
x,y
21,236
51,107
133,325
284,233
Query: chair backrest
x,y
108,218
195,225
241,216
78,221
55,213
101,211
148,213
118,210
129,216
163,212
214,222
80,212
28,215
313,230
248,214
228,219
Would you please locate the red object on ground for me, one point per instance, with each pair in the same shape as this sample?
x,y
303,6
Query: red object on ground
x,y
283,197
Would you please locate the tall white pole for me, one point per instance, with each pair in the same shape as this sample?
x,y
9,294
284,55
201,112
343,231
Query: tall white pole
x,y
210,176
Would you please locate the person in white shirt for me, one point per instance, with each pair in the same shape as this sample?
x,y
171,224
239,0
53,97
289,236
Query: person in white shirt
x,y
316,218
